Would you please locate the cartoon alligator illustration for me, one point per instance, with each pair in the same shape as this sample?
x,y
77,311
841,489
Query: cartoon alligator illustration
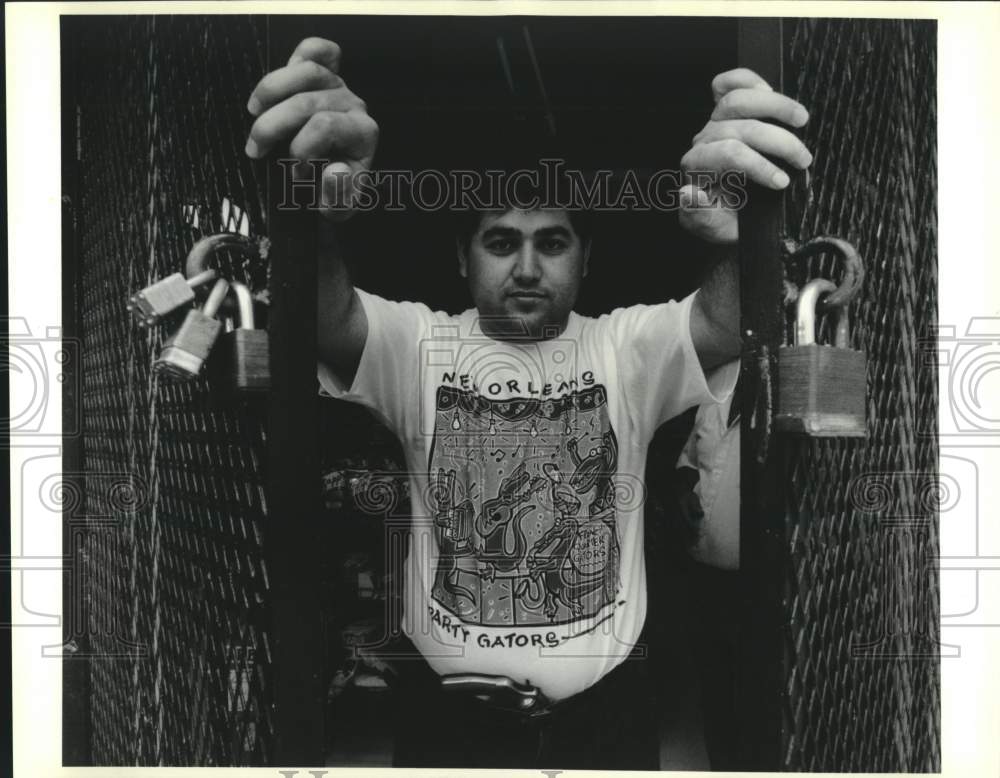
x,y
455,523
552,577
502,543
499,523
598,469
557,572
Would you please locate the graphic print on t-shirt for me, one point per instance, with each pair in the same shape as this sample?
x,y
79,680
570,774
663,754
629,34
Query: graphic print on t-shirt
x,y
523,498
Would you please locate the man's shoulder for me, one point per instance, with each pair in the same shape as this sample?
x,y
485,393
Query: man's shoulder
x,y
382,307
629,326
625,315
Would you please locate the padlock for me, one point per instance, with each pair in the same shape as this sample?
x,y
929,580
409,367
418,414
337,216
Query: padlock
x,y
821,388
240,360
166,296
175,291
184,353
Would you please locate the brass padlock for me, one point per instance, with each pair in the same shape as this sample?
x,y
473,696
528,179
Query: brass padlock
x,y
240,360
821,388
184,353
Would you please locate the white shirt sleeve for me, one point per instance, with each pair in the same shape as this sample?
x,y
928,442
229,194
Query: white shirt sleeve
x,y
388,375
660,372
713,449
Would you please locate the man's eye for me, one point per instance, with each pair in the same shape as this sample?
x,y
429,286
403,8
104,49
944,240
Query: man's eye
x,y
552,246
500,246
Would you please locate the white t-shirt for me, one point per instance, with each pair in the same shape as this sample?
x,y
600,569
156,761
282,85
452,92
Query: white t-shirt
x,y
526,463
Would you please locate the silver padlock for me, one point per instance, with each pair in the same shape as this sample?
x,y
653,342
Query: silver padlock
x,y
167,295
184,353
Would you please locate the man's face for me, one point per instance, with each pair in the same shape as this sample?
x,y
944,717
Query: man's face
x,y
524,267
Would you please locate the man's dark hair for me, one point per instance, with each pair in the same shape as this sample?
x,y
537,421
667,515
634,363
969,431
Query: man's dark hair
x,y
467,222
522,167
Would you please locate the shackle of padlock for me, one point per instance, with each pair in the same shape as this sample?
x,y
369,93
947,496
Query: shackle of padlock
x,y
854,269
204,250
184,353
805,319
244,306
215,298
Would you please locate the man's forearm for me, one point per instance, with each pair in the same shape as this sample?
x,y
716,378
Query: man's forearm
x,y
341,323
715,317
333,281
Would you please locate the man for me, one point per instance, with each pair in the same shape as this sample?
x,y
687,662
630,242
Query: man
x,y
525,428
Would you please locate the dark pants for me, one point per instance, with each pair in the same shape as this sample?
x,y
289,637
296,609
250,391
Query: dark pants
x,y
611,726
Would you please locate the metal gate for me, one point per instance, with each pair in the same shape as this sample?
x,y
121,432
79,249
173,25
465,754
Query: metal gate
x,y
174,576
843,531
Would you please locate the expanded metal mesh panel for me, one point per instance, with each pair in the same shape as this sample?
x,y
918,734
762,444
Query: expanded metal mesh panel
x,y
861,661
176,585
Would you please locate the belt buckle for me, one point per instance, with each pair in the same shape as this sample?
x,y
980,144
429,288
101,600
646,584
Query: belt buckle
x,y
499,691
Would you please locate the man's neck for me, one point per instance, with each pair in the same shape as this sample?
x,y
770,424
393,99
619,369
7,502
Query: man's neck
x,y
507,329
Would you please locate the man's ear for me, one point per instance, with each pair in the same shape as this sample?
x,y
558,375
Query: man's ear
x,y
586,257
463,258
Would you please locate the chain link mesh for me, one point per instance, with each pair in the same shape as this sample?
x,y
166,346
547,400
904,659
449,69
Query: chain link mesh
x,y
861,654
177,586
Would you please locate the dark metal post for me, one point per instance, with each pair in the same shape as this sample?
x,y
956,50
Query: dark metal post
x,y
292,548
76,664
762,553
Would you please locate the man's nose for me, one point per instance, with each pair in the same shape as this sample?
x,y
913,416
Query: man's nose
x,y
527,269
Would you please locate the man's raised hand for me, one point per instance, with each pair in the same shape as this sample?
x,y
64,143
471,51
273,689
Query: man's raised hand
x,y
740,136
307,103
